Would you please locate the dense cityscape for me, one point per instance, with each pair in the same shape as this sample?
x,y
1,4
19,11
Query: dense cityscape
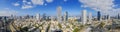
x,y
60,16
59,23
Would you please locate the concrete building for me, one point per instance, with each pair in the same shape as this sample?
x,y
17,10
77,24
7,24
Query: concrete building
x,y
90,17
84,16
59,9
38,17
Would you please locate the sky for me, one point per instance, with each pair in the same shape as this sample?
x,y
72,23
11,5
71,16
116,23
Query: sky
x,y
73,7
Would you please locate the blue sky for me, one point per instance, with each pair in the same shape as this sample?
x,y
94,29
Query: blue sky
x,y
74,7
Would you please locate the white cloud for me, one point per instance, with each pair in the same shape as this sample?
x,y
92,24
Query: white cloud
x,y
38,2
24,1
8,12
32,3
49,1
16,4
29,3
26,6
105,6
98,4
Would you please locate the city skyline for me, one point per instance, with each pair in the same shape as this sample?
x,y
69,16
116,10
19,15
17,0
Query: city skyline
x,y
73,7
59,15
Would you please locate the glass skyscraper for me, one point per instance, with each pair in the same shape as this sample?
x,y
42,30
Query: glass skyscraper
x,y
98,16
66,16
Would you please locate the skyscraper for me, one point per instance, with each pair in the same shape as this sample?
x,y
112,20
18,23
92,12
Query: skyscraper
x,y
66,16
84,16
52,19
38,17
118,16
90,16
44,16
59,9
98,16
108,17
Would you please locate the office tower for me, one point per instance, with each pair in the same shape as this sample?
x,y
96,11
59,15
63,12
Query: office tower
x,y
44,16
27,17
84,16
59,9
118,16
105,17
66,16
108,17
90,17
62,18
51,18
12,17
98,16
37,17
47,18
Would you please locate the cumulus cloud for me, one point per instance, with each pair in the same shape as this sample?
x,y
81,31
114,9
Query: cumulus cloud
x,y
98,4
24,1
105,6
29,3
26,6
32,3
7,12
38,2
16,4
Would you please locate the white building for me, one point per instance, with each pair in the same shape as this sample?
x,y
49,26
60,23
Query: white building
x,y
37,17
59,9
84,16
90,17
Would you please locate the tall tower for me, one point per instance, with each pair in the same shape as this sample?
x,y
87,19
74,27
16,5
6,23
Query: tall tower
x,y
38,17
118,16
98,16
44,16
108,17
84,16
66,16
51,18
59,9
90,17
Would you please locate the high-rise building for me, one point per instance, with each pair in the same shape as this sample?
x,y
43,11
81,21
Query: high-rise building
x,y
38,17
27,17
98,16
66,16
59,9
52,19
84,16
108,17
90,17
118,16
44,17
